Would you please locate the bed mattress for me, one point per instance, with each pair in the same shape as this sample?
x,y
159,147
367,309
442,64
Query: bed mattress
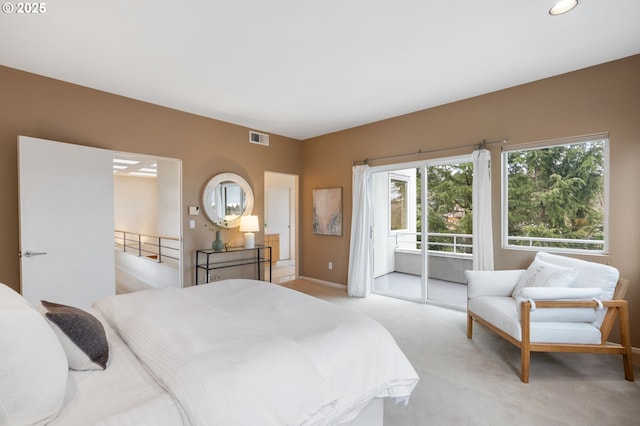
x,y
123,394
235,352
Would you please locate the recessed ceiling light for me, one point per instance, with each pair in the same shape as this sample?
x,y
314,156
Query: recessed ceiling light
x,y
563,6
121,161
146,169
143,174
119,167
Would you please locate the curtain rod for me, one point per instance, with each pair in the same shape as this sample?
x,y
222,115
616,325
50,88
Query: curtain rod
x,y
480,145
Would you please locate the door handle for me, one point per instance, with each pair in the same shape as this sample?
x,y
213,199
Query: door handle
x,y
30,253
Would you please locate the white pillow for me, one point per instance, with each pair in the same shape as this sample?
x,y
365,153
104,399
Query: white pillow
x,y
543,274
590,274
560,293
33,366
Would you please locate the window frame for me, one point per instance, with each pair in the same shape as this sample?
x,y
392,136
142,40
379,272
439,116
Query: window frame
x,y
549,144
406,180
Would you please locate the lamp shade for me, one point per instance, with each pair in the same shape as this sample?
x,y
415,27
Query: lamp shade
x,y
249,224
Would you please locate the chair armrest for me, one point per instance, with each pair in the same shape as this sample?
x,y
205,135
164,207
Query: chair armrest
x,y
577,310
492,283
578,304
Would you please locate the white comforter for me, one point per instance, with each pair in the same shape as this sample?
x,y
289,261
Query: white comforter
x,y
247,352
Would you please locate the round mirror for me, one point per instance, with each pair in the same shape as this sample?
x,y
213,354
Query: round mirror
x,y
226,197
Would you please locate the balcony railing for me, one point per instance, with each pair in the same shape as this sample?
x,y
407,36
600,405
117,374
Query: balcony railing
x,y
557,243
438,242
157,248
462,244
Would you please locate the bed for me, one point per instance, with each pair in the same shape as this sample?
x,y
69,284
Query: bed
x,y
231,352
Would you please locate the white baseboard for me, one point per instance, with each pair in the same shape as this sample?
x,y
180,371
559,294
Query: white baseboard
x,y
329,283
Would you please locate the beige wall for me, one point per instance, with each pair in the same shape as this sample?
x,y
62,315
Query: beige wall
x,y
35,106
604,98
135,202
598,99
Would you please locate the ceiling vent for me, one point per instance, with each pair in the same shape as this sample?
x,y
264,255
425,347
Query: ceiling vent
x,y
258,138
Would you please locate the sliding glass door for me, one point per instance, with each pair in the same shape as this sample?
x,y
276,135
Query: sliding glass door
x,y
450,224
422,230
398,265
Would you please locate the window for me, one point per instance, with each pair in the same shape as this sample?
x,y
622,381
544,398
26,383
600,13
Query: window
x,y
398,203
554,195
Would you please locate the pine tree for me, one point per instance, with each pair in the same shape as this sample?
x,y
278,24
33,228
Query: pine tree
x,y
557,192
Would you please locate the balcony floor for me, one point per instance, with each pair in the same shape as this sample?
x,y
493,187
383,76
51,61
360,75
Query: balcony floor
x,y
407,286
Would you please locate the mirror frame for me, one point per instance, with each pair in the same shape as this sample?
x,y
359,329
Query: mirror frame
x,y
209,189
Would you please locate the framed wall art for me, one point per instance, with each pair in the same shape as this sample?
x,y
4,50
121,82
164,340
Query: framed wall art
x,y
327,211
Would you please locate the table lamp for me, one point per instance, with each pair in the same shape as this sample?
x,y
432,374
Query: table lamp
x,y
249,225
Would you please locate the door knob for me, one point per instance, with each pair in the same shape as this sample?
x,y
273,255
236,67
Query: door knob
x,y
30,253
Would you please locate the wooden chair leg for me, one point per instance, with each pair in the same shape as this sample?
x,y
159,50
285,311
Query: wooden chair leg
x,y
525,361
625,340
525,342
469,326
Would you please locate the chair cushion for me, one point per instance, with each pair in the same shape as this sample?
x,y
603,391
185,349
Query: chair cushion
x,y
33,364
544,274
564,332
589,274
492,283
502,312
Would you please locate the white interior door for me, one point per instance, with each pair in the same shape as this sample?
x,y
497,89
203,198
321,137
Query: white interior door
x,y
280,210
66,222
279,207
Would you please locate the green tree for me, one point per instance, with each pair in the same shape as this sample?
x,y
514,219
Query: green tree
x,y
449,200
557,192
450,195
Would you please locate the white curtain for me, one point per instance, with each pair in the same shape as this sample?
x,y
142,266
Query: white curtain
x,y
482,229
218,204
359,274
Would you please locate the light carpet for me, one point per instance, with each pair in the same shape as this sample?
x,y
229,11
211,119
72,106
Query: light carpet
x,y
477,382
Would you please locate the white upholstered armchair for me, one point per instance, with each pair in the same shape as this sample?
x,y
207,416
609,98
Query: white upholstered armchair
x,y
559,304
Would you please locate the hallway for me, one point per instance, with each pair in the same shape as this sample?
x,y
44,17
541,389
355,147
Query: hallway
x,y
282,271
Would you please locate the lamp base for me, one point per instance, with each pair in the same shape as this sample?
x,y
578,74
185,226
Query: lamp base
x,y
249,240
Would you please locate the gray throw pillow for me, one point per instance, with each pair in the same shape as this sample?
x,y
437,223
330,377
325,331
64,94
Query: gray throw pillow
x,y
81,334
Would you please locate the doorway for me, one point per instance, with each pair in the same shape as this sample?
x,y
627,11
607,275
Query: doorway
x,y
68,244
422,230
280,224
147,219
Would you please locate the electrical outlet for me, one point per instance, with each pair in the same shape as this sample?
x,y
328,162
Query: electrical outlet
x,y
330,266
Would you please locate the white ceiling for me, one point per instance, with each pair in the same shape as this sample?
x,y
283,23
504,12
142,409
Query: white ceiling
x,y
141,168
300,68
